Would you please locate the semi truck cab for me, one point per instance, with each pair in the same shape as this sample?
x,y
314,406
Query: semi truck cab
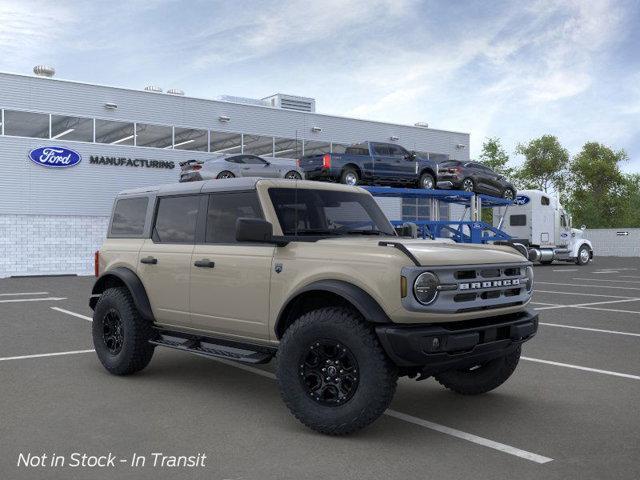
x,y
538,221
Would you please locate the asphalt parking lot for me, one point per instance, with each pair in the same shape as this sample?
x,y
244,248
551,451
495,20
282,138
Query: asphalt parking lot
x,y
569,411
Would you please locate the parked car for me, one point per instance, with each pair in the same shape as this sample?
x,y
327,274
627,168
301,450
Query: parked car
x,y
372,163
313,273
230,166
474,177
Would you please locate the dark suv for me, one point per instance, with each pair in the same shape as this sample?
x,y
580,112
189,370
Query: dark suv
x,y
474,177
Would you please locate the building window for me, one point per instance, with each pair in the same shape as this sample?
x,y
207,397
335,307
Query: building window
x,y
157,136
316,148
26,124
72,128
114,133
258,145
191,139
287,148
225,142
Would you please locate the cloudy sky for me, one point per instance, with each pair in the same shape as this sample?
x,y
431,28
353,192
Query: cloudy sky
x,y
515,70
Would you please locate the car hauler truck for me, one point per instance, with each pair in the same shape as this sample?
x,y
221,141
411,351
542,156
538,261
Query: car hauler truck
x,y
538,221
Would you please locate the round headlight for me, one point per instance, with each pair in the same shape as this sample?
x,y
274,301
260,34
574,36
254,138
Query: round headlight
x,y
425,288
529,274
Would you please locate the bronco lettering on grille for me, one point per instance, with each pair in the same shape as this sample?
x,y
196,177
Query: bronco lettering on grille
x,y
491,284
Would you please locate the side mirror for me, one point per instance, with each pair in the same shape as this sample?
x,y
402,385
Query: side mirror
x,y
254,230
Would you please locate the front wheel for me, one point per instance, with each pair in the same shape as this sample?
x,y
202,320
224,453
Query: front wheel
x,y
584,255
480,378
332,372
120,335
468,185
508,194
427,181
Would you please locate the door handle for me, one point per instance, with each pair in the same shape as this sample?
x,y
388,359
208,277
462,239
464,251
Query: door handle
x,y
204,263
246,168
149,260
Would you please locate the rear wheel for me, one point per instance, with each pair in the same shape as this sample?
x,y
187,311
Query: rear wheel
x,y
349,177
293,175
468,185
332,372
480,378
584,255
427,181
120,335
225,174
508,194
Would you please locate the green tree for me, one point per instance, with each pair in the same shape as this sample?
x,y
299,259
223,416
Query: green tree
x,y
599,192
545,164
495,157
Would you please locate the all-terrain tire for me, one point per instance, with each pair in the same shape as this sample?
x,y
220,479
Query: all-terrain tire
x,y
482,379
377,376
135,351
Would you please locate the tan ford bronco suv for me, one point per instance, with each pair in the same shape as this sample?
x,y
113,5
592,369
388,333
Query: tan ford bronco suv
x,y
314,275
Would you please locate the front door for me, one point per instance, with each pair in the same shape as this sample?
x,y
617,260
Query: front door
x,y
165,259
230,280
254,166
402,164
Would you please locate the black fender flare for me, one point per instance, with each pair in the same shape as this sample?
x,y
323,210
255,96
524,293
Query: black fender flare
x,y
364,303
428,169
132,282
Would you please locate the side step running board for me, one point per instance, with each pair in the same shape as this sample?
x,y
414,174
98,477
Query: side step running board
x,y
211,348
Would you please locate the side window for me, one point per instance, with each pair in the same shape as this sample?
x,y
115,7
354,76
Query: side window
x,y
252,160
176,219
223,211
563,221
395,151
129,216
517,220
544,200
381,149
235,160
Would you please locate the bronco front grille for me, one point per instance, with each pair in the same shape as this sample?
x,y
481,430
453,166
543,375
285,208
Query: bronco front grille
x,y
472,288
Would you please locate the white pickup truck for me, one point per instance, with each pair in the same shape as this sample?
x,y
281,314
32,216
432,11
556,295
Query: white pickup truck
x,y
538,221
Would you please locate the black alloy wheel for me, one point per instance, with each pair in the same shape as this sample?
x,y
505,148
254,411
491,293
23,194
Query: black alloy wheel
x,y
112,332
467,185
293,175
225,174
508,194
329,372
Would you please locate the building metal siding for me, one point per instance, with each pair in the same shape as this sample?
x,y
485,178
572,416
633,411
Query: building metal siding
x,y
614,242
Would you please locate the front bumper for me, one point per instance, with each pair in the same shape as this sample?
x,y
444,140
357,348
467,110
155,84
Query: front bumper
x,y
454,345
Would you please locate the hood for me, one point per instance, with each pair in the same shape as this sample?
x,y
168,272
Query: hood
x,y
434,252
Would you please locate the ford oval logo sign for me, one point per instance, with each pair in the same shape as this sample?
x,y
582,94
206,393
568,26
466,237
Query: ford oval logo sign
x,y
55,157
521,200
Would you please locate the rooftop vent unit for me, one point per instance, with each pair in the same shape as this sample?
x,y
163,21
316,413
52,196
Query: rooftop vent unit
x,y
153,88
44,71
244,100
422,124
291,102
175,91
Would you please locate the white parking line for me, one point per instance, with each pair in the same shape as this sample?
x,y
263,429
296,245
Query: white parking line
x,y
605,280
610,310
485,442
582,285
599,330
552,306
73,314
628,276
584,294
578,367
23,293
41,355
423,423
44,299
566,270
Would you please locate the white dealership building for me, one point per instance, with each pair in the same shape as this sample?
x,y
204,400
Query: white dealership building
x,y
52,219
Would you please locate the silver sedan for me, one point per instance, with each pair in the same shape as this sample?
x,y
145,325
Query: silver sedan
x,y
230,166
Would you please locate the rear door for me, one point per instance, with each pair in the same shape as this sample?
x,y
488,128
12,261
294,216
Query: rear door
x,y
164,262
230,280
382,162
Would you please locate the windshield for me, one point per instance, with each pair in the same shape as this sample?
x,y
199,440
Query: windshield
x,y
328,212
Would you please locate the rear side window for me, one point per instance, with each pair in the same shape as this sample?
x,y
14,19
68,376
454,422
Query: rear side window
x,y
517,220
357,150
128,217
176,219
224,209
381,149
544,200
